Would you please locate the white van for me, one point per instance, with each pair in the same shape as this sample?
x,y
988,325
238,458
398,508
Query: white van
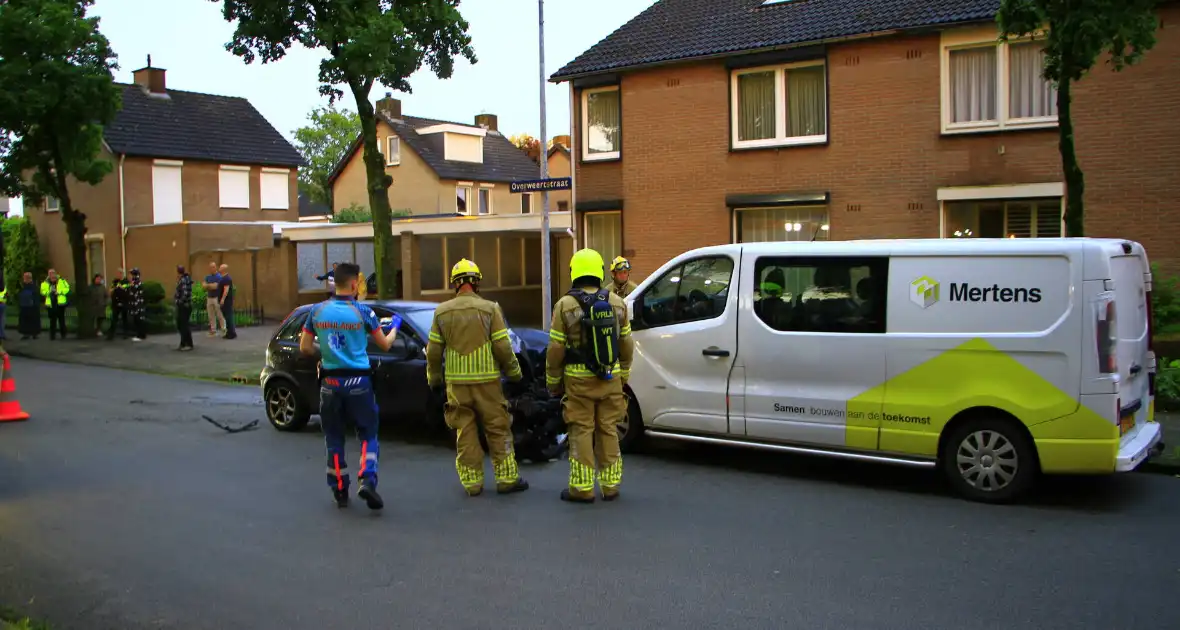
x,y
994,359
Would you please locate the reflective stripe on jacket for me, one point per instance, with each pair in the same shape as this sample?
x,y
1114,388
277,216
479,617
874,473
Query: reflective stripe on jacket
x,y
63,290
469,343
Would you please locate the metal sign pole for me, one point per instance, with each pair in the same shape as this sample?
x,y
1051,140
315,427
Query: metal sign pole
x,y
546,266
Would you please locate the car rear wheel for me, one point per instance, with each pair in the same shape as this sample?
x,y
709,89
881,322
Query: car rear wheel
x,y
989,459
285,408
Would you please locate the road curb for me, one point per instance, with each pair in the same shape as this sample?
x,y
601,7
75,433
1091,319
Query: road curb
x,y
232,379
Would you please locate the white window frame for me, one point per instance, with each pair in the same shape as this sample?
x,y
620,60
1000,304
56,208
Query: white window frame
x,y
982,38
587,156
478,200
529,198
1002,193
221,197
286,203
781,138
157,211
57,205
393,151
469,188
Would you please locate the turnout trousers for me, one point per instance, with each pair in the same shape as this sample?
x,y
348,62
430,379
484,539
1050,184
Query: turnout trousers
x,y
470,407
344,400
593,409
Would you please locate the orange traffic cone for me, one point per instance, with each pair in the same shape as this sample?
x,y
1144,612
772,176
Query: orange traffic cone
x,y
10,410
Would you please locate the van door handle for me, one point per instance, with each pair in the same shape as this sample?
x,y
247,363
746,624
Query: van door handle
x,y
715,352
1135,369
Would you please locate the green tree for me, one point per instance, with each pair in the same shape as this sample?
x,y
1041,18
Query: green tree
x,y
58,93
368,42
1075,34
323,143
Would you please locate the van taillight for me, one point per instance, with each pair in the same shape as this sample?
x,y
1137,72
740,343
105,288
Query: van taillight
x,y
1106,331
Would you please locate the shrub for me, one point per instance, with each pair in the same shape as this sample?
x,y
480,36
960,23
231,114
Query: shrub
x,y
1165,302
22,252
1167,385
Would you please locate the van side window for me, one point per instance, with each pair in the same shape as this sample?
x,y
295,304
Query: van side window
x,y
821,294
694,291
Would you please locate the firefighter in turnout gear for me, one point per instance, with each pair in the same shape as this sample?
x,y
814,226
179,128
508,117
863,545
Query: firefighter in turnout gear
x,y
589,358
470,334
620,271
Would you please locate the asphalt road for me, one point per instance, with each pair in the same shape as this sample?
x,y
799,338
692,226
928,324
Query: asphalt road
x,y
121,508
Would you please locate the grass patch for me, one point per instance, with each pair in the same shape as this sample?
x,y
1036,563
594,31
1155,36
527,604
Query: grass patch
x,y
12,620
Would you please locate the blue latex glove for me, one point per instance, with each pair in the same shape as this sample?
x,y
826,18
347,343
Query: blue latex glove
x,y
394,322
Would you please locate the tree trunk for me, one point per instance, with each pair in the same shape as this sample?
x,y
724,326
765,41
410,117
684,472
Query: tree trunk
x,y
1075,181
384,252
83,301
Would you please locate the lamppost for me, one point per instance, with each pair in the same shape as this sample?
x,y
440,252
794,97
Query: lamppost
x,y
546,267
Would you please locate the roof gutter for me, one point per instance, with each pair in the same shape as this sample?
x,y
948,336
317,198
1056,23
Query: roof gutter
x,y
752,51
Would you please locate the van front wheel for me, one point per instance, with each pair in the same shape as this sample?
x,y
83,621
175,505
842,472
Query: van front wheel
x,y
989,460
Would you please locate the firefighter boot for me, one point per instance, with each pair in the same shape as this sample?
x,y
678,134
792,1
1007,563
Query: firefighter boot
x,y
573,496
520,485
368,492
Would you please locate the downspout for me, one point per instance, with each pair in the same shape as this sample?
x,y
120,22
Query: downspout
x,y
122,215
572,229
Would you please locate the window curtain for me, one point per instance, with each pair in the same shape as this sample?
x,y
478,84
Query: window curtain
x,y
973,84
1029,94
806,102
756,116
604,234
767,225
602,111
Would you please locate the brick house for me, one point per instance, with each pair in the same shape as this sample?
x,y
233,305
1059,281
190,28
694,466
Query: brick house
x,y
196,177
451,190
757,120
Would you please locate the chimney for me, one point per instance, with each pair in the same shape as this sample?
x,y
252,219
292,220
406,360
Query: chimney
x,y
151,79
562,140
390,107
487,121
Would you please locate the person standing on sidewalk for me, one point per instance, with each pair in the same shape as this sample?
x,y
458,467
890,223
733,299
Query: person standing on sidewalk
x,y
225,293
212,286
99,298
119,286
344,329
184,308
29,322
56,292
137,306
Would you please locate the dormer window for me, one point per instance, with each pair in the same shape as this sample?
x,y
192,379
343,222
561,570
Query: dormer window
x,y
461,143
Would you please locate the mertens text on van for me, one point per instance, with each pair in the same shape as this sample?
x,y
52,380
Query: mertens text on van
x,y
963,292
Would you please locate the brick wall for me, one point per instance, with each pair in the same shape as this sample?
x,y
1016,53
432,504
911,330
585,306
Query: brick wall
x,y
886,157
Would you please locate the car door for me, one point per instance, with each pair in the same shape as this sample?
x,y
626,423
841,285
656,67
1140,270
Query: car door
x,y
401,371
685,331
813,348
382,361
291,360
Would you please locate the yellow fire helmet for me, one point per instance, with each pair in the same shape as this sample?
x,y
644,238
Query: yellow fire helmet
x,y
586,262
620,264
465,270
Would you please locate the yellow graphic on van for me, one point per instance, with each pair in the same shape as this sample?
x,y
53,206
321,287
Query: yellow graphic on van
x,y
924,292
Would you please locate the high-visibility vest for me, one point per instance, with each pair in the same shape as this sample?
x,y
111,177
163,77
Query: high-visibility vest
x,y
63,290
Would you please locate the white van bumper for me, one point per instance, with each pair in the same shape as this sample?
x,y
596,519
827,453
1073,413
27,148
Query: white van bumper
x,y
1138,448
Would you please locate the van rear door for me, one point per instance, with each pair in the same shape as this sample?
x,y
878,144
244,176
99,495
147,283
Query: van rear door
x,y
1131,275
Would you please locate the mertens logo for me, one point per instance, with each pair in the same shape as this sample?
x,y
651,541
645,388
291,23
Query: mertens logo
x,y
924,291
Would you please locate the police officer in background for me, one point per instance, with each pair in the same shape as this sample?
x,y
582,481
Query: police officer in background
x,y
470,333
343,329
593,406
620,270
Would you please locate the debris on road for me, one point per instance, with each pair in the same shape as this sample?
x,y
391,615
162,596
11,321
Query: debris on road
x,y
246,427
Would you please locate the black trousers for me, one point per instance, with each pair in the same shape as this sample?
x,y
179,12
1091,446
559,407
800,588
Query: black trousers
x,y
227,309
57,321
184,326
118,313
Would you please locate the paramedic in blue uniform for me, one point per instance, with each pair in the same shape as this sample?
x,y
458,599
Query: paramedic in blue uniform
x,y
343,327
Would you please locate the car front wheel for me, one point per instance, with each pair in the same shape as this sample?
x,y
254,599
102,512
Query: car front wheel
x,y
285,408
630,427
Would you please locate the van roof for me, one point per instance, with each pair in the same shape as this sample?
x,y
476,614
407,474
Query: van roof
x,y
932,246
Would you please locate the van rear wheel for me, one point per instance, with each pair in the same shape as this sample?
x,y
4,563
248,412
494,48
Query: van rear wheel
x,y
989,460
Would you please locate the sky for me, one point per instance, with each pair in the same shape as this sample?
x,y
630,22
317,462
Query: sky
x,y
187,38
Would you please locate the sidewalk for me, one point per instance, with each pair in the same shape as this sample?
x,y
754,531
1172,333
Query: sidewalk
x,y
238,360
1169,460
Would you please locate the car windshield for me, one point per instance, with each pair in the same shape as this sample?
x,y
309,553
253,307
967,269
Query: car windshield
x,y
421,319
